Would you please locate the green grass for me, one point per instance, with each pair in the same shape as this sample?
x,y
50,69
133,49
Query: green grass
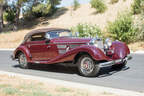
x,y
37,93
31,88
4,86
82,94
64,89
10,91
28,86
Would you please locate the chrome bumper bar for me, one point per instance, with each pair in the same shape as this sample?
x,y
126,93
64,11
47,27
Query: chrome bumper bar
x,y
110,63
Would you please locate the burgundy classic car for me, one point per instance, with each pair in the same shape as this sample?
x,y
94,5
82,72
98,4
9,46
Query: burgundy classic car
x,y
55,46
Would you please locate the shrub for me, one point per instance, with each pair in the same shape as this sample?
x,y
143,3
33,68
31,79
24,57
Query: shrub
x,y
76,5
137,6
86,30
140,26
114,1
123,28
98,5
141,34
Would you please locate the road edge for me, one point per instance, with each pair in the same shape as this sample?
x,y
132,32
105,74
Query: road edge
x,y
7,49
91,88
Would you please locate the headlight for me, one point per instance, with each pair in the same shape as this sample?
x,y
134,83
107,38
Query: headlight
x,y
108,42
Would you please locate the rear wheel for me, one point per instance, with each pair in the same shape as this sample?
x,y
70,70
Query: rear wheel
x,y
23,61
87,66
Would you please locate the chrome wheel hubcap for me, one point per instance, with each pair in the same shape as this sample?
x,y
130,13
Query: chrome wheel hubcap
x,y
87,65
22,60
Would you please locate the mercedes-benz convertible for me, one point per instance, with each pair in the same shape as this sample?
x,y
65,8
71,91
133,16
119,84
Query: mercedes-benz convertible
x,y
55,46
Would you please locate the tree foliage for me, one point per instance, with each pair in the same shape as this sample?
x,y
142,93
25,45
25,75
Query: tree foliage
x,y
29,8
10,13
54,3
41,10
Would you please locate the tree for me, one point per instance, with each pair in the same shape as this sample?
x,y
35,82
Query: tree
x,y
9,13
18,9
54,3
1,14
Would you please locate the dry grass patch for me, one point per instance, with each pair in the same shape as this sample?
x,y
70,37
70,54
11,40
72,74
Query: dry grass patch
x,y
16,86
136,46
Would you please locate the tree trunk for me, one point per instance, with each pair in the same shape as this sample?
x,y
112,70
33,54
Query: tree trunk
x,y
52,3
1,17
17,16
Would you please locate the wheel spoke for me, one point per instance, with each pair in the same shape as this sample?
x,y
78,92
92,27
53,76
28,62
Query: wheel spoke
x,y
22,60
87,65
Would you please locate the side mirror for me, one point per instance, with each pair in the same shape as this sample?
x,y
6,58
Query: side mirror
x,y
47,41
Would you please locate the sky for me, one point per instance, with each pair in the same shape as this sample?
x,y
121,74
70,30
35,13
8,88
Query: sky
x,y
70,2
65,3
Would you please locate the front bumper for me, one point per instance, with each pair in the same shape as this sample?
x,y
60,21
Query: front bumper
x,y
110,63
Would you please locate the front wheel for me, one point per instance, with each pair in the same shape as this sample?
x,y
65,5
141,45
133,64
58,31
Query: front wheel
x,y
87,66
23,61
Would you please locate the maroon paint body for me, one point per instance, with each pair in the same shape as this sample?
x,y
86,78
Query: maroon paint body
x,y
39,51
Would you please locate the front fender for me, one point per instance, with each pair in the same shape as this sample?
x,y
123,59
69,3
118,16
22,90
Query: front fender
x,y
23,49
94,52
70,55
121,50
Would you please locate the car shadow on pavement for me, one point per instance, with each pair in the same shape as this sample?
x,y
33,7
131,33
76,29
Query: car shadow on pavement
x,y
58,68
108,71
53,68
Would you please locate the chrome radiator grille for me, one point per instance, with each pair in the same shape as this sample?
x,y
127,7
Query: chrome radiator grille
x,y
100,45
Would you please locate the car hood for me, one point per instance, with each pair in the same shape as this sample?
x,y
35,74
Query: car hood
x,y
70,40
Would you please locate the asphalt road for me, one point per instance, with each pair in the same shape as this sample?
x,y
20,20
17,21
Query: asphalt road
x,y
130,78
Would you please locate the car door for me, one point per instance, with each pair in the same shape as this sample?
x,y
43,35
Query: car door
x,y
51,48
51,51
37,46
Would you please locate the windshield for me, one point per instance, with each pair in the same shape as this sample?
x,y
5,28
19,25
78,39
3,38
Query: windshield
x,y
55,34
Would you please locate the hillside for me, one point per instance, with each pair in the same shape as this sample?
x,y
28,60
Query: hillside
x,y
86,14
66,18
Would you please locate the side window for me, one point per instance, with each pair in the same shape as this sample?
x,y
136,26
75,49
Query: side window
x,y
38,37
52,34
